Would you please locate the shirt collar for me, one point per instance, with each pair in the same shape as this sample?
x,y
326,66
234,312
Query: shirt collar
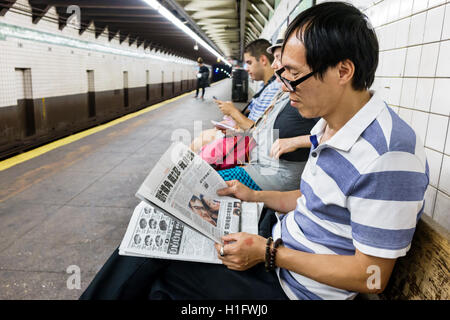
x,y
346,137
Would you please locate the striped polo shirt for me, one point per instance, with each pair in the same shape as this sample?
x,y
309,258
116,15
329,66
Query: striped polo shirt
x,y
259,104
363,188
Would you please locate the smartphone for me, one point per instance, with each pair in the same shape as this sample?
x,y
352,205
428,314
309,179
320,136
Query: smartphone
x,y
222,125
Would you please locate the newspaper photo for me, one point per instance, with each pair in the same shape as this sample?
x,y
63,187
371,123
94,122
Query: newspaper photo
x,y
181,215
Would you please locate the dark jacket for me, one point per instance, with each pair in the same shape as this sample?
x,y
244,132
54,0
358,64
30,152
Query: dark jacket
x,y
203,81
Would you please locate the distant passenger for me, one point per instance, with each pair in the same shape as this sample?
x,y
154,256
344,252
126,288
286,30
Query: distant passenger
x,y
202,78
258,62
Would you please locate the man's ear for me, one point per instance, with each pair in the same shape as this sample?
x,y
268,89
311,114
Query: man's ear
x,y
264,60
346,70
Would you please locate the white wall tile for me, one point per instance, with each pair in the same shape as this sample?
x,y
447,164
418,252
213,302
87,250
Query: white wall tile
x,y
441,103
393,63
395,91
424,92
413,61
434,159
419,123
408,92
446,27
380,36
417,29
430,199
406,115
393,11
437,131
402,33
441,210
447,143
444,181
432,3
419,5
389,36
405,8
382,12
433,25
380,68
443,66
428,60
383,88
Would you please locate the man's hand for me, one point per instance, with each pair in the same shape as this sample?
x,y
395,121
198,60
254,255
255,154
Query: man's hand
x,y
238,190
242,250
227,107
282,146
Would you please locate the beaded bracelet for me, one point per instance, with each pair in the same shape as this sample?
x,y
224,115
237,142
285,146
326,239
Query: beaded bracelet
x,y
267,257
271,265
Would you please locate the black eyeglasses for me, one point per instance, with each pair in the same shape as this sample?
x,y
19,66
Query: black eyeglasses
x,y
290,85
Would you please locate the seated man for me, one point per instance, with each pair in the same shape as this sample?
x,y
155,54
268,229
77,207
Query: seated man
x,y
258,62
280,120
361,193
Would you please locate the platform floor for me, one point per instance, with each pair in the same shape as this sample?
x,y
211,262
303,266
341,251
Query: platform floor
x,y
71,206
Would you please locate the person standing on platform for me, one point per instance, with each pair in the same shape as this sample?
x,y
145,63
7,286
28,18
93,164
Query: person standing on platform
x,y
202,78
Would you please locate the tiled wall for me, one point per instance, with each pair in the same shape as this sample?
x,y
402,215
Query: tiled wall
x,y
59,70
414,78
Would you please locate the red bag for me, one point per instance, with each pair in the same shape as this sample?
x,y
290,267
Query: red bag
x,y
228,152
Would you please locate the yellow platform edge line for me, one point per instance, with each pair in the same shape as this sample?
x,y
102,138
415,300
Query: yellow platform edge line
x,y
10,162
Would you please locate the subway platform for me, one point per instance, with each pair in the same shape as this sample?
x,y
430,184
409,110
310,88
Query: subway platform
x,y
68,208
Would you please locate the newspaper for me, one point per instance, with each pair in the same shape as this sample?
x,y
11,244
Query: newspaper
x,y
181,215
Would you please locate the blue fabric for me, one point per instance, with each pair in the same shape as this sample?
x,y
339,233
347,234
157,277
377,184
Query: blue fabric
x,y
238,173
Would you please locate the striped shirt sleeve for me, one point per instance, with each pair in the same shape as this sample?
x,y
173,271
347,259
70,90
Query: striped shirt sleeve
x,y
386,203
261,103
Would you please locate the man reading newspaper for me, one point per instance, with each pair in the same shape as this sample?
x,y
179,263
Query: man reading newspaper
x,y
359,199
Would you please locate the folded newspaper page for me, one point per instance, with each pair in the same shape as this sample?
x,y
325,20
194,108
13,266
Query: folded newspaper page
x,y
184,186
181,215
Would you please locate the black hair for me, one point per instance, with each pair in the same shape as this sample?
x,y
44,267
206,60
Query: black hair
x,y
207,207
258,48
333,32
193,199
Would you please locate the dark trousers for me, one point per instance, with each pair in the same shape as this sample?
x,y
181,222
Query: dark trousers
x,y
124,277
200,86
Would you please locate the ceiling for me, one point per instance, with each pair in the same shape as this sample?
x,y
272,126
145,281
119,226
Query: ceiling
x,y
225,22
226,25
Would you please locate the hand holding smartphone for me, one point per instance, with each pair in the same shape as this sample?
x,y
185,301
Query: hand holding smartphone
x,y
222,126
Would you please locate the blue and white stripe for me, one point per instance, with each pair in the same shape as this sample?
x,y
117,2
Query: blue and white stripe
x,y
260,104
364,190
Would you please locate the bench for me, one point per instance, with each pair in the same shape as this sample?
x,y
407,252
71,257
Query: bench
x,y
423,274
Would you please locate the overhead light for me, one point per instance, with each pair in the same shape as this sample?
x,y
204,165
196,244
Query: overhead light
x,y
196,47
169,16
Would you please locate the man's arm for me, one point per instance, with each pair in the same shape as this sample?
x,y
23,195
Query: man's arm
x,y
280,201
360,272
